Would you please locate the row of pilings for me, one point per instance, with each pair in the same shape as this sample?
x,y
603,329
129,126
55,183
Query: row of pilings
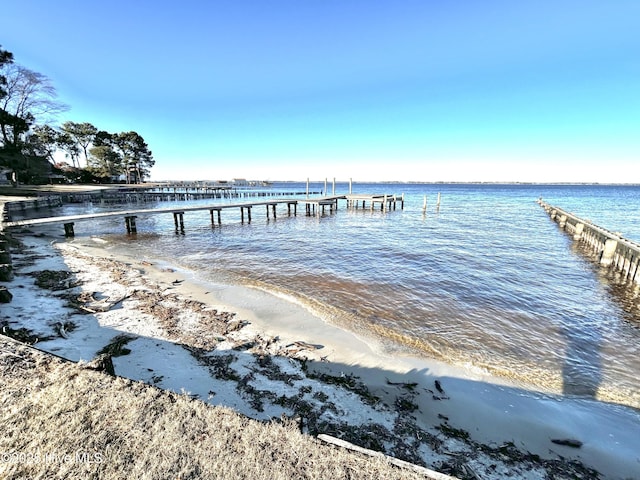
x,y
610,248
6,267
167,194
123,197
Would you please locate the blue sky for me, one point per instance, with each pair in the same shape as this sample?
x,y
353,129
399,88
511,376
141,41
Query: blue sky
x,y
370,90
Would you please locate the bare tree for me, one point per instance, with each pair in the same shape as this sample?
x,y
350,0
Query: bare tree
x,y
29,98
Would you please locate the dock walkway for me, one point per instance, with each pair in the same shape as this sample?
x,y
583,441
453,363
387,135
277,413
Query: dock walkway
x,y
313,206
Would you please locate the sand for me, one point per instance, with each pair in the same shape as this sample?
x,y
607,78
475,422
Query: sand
x,y
265,356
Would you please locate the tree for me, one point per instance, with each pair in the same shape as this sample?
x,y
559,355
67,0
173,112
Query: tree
x,y
29,97
125,154
105,162
5,59
26,97
137,159
68,145
82,134
9,156
27,104
43,142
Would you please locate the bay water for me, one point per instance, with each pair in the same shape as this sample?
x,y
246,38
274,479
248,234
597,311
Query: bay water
x,y
484,280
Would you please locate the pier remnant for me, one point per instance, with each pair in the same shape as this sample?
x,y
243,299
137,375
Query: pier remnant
x,y
611,249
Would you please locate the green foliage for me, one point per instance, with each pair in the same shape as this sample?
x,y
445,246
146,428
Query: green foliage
x,y
28,147
80,135
125,154
5,59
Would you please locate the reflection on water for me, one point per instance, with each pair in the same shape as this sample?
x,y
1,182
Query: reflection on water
x,y
487,281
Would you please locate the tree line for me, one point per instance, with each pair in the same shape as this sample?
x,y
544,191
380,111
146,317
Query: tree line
x,y
30,140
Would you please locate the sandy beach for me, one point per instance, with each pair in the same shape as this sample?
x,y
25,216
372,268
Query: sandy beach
x,y
267,357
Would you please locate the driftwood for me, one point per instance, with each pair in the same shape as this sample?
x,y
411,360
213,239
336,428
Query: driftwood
x,y
407,385
567,442
428,473
104,305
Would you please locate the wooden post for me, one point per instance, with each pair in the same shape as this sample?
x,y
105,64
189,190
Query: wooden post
x,y
307,187
422,471
424,204
68,230
438,202
213,222
178,219
633,270
325,186
130,223
350,186
608,252
333,191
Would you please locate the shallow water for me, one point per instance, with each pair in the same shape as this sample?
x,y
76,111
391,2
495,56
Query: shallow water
x,y
486,281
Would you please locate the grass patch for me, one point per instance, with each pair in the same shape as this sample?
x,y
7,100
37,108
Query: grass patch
x,y
133,430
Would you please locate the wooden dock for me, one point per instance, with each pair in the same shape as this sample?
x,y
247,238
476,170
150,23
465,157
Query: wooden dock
x,y
313,206
611,249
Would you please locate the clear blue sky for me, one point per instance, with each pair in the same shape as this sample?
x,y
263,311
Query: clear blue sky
x,y
540,90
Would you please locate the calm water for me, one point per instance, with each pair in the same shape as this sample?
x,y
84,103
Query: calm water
x,y
488,281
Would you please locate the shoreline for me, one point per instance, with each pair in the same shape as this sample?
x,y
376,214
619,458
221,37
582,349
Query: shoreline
x,y
423,393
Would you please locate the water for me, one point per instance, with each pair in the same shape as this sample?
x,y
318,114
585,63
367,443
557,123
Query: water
x,y
487,281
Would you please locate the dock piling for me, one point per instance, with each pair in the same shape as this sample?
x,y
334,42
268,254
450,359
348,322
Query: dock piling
x,y
248,213
178,219
130,222
213,222
68,230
